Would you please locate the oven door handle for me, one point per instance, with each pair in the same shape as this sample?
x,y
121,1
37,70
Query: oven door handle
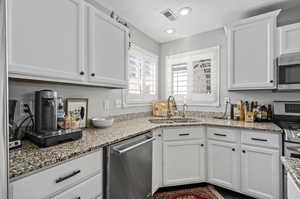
x,y
133,146
295,149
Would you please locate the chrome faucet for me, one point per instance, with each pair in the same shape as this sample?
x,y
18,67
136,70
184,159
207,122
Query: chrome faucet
x,y
184,109
171,99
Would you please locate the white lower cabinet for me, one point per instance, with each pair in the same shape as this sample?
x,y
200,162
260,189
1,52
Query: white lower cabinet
x,y
260,172
78,178
223,164
183,162
90,189
157,170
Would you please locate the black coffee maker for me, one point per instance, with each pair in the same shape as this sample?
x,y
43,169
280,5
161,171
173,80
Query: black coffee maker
x,y
45,132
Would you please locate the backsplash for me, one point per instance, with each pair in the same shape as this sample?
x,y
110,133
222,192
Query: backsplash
x,y
97,97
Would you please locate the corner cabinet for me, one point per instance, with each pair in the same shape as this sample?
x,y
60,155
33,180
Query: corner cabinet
x,y
223,164
252,52
58,41
183,156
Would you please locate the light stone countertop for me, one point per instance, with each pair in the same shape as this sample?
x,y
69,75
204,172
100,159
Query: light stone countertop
x,y
30,158
292,165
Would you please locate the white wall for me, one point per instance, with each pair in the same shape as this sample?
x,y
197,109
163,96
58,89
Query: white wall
x,y
24,90
214,38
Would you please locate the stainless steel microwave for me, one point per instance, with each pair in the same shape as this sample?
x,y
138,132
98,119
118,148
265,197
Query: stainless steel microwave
x,y
289,72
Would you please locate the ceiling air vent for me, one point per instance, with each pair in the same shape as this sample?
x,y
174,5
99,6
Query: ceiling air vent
x,y
169,14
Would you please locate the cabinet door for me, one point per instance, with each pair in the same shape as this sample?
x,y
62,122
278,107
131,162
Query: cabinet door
x,y
107,49
45,39
89,189
183,162
289,38
223,164
251,58
260,172
157,169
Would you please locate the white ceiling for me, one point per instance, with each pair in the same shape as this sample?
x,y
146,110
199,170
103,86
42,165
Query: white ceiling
x,y
206,15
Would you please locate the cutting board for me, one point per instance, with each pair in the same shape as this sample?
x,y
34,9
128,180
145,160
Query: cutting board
x,y
160,108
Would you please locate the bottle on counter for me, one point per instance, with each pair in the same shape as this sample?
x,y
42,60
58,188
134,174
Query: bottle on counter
x,y
67,122
60,113
270,113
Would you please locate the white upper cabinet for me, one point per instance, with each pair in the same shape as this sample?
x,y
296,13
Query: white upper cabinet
x,y
107,49
45,39
252,52
67,41
255,163
289,39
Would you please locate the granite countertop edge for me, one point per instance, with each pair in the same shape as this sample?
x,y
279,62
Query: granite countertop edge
x,y
292,165
25,166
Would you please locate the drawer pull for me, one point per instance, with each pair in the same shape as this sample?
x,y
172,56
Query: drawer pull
x,y
184,134
78,197
257,139
218,134
67,177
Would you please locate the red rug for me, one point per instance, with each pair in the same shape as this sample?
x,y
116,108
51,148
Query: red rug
x,y
205,192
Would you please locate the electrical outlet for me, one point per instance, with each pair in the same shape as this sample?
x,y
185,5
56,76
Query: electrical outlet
x,y
227,100
118,103
21,109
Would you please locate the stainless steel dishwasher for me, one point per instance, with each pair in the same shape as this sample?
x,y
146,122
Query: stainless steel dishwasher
x,y
128,171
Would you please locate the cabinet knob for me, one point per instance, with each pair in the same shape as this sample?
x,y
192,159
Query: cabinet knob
x,y
271,81
244,151
202,145
159,135
81,73
93,74
233,149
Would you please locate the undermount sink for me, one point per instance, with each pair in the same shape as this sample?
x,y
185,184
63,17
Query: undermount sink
x,y
173,120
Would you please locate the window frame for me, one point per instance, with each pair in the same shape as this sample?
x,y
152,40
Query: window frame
x,y
189,57
141,100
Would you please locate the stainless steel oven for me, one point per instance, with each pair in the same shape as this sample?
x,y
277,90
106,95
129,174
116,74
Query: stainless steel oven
x,y
288,77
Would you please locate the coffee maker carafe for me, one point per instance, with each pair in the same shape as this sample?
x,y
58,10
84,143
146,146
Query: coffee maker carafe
x,y
45,111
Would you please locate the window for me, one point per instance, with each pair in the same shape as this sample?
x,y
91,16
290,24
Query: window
x,y
142,76
194,77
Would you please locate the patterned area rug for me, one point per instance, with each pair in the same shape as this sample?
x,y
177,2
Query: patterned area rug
x,y
206,192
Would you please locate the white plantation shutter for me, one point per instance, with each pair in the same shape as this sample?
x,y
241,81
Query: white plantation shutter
x,y
179,79
142,76
194,76
134,75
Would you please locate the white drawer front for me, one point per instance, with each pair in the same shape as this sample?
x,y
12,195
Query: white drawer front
x,y
224,134
56,178
184,133
89,189
260,138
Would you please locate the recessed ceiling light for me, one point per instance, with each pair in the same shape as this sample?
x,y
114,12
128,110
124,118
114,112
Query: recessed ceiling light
x,y
185,11
170,31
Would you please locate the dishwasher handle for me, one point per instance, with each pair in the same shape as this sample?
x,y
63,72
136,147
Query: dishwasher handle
x,y
133,146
